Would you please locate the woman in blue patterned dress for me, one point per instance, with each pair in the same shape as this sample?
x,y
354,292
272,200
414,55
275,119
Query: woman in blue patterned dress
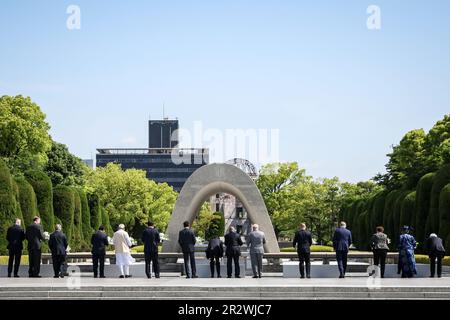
x,y
406,259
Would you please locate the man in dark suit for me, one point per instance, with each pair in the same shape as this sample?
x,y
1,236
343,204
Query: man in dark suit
x,y
233,243
436,251
303,241
34,235
151,239
186,240
342,240
58,246
214,253
99,241
15,236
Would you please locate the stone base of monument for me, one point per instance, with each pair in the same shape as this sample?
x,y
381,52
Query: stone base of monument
x,y
291,270
204,270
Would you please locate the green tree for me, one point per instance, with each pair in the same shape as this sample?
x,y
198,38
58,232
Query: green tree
x,y
216,227
85,217
77,227
407,217
95,210
422,207
8,204
128,197
43,189
63,167
444,215
24,138
27,200
441,179
64,204
437,144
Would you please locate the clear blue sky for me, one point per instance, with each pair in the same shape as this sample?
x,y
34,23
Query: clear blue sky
x,y
340,93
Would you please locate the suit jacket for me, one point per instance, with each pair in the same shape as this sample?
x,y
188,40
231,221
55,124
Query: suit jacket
x,y
99,241
434,246
256,241
150,238
15,236
34,235
303,241
58,243
233,242
342,239
186,239
215,248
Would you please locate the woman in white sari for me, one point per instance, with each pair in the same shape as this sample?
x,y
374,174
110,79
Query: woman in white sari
x,y
122,244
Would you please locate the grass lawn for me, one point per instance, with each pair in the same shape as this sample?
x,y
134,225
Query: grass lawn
x,y
4,260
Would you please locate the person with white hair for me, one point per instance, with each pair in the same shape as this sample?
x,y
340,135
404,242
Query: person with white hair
x,y
15,236
436,252
122,245
58,246
256,240
342,240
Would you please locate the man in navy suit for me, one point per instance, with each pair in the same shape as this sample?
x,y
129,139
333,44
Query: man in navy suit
x,y
186,240
151,239
342,240
303,241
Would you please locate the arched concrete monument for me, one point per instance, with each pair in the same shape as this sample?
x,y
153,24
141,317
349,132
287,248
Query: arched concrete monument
x,y
209,180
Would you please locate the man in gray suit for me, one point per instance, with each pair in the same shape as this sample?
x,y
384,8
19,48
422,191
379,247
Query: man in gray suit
x,y
256,241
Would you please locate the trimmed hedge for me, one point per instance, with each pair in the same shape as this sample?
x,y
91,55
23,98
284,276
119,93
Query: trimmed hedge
x,y
95,211
77,228
27,200
105,221
63,202
86,216
18,210
377,210
8,204
444,216
441,179
396,217
388,213
42,186
422,207
407,217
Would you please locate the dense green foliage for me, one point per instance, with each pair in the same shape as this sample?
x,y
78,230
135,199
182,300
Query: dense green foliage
x,y
27,200
8,204
64,205
422,206
441,179
128,197
407,217
95,211
85,216
24,138
444,216
217,226
43,189
63,167
77,227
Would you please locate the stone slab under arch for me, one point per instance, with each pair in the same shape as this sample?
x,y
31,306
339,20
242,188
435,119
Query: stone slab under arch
x,y
209,180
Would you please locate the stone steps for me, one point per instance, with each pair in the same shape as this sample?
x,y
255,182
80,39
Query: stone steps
x,y
222,293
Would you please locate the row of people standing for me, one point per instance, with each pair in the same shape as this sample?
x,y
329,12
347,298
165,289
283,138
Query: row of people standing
x,y
215,251
342,241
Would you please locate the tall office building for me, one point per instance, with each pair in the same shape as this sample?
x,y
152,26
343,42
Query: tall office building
x,y
163,133
161,161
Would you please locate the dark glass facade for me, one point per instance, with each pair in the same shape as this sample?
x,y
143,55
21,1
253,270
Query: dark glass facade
x,y
161,165
162,133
